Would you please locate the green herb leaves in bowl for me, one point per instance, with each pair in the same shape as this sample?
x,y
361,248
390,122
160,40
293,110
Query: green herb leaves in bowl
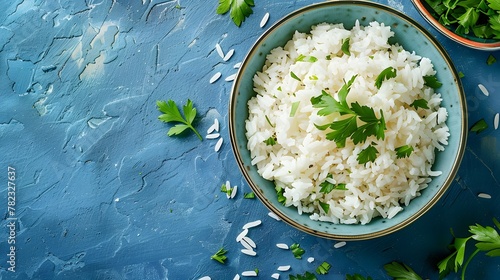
x,y
473,23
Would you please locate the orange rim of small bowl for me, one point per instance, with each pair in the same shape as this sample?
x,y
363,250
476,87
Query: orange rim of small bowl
x,y
450,34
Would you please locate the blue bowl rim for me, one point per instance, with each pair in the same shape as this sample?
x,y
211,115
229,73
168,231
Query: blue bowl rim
x,y
463,133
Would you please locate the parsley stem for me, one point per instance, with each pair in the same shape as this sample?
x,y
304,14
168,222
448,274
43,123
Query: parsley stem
x,y
196,132
467,263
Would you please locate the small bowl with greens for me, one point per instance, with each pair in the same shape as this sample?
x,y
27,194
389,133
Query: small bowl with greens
x,y
472,23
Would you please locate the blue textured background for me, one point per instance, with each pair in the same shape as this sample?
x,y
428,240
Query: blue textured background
x,y
103,193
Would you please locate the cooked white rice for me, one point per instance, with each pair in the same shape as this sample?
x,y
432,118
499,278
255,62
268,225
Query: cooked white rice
x,y
302,157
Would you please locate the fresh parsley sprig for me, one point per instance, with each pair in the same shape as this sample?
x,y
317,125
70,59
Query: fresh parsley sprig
x,y
239,10
172,114
348,126
487,241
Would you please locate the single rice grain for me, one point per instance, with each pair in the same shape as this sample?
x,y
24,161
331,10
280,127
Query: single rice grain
x,y
484,195
252,224
215,77
496,119
264,20
339,244
249,273
483,89
284,268
249,252
282,246
228,55
218,48
218,145
230,78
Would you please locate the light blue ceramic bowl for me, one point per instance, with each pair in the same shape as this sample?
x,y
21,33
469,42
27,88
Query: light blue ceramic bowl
x,y
412,37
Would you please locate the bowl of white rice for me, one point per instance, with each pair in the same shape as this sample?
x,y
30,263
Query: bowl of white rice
x,y
348,120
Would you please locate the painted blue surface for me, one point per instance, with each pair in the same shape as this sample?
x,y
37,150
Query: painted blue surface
x,y
103,193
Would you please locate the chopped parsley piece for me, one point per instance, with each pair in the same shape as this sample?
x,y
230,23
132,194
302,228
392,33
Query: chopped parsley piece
x,y
279,88
279,193
420,103
327,187
328,57
238,9
401,271
268,121
220,256
306,276
386,74
303,58
249,195
479,126
295,106
172,114
461,74
225,189
357,277
297,251
323,268
270,141
295,76
491,59
345,46
432,82
368,154
404,151
313,78
324,206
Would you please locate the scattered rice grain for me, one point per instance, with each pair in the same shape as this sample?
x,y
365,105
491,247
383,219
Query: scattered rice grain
x,y
283,268
228,55
205,278
248,252
484,195
249,273
230,78
339,244
234,191
214,127
252,224
310,259
275,276
274,216
237,277
212,136
264,20
241,235
249,241
496,120
282,246
219,50
216,124
218,144
483,89
215,77
245,244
